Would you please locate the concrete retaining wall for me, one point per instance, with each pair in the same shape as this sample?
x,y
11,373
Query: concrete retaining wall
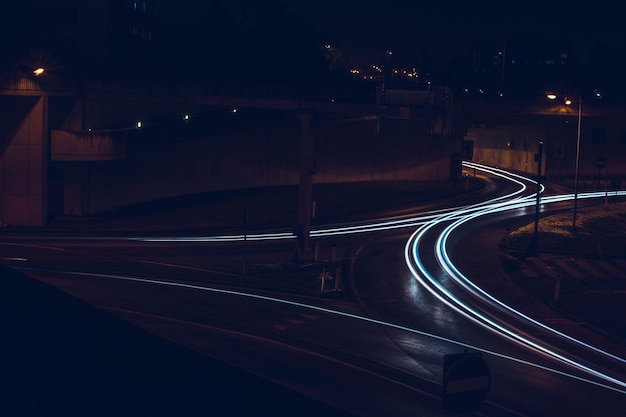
x,y
23,167
361,150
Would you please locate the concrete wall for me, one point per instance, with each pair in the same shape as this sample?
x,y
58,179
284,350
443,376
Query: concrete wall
x,y
70,146
360,150
23,168
514,147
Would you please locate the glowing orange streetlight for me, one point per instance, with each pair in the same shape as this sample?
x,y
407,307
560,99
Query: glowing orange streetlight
x,y
38,71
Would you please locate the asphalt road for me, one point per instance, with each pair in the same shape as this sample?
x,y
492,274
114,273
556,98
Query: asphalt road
x,y
64,357
375,350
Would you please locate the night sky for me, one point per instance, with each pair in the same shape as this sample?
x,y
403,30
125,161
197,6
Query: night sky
x,y
443,28
452,43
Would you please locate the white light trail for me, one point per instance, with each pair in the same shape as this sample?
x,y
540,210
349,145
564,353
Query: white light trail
x,y
423,222
240,293
453,272
433,285
372,226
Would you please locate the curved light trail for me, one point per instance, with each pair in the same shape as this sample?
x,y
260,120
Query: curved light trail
x,y
374,226
452,218
455,220
333,312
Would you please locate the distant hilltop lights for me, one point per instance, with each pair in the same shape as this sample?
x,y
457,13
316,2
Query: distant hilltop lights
x,y
375,72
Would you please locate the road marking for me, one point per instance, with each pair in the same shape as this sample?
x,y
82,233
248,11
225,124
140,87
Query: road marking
x,y
609,271
24,245
568,268
191,268
530,270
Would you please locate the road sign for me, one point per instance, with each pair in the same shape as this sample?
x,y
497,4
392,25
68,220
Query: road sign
x,y
466,381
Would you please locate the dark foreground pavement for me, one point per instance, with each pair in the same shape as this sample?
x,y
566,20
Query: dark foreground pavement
x,y
63,357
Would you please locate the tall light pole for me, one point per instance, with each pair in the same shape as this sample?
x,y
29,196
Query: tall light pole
x,y
539,159
568,102
580,108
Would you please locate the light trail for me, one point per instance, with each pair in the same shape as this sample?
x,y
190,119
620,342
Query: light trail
x,y
424,222
373,226
326,310
453,272
434,286
456,219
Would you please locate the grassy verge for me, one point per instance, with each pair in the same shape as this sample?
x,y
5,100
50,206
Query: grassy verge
x,y
599,231
600,234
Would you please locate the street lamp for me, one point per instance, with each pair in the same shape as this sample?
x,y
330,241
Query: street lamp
x,y
580,107
539,159
568,102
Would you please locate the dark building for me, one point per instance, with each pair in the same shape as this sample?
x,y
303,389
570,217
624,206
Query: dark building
x,y
517,67
73,36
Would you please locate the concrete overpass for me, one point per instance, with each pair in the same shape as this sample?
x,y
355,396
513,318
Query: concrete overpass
x,y
69,148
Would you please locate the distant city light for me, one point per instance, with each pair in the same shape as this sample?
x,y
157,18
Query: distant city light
x,y
38,71
234,110
139,124
186,117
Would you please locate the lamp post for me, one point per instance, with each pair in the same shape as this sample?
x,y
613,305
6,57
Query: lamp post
x,y
539,159
580,106
568,102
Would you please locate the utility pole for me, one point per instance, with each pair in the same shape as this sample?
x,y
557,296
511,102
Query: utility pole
x,y
539,159
305,190
580,108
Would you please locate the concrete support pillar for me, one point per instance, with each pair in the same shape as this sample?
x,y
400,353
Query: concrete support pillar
x,y
23,169
305,190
